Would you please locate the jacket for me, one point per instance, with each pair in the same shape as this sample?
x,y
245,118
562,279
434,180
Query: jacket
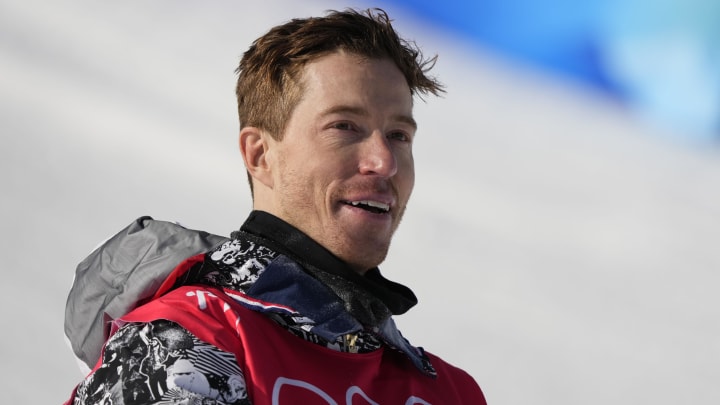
x,y
216,331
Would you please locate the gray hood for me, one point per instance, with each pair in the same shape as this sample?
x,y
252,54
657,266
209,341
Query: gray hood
x,y
126,269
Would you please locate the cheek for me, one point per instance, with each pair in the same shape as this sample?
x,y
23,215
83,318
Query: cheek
x,y
406,170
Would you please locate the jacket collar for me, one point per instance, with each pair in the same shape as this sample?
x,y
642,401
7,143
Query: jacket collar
x,y
284,282
371,298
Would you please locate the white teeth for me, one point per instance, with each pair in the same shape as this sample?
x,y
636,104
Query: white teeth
x,y
374,204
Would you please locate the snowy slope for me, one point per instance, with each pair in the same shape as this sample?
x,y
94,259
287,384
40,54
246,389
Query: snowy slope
x,y
562,252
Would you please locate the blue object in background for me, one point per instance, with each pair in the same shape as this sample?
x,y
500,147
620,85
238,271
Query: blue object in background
x,y
660,57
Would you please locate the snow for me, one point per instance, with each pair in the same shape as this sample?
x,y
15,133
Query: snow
x,y
563,251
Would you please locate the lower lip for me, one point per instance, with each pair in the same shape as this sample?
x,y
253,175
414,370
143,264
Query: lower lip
x,y
367,215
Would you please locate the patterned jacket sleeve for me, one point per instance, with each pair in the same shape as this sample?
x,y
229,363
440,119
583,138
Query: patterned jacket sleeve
x,y
161,362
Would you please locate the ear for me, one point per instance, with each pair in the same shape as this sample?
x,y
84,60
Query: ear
x,y
255,148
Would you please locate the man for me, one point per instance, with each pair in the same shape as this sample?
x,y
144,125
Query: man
x,y
326,135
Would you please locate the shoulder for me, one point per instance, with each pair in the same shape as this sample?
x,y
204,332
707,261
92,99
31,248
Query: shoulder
x,y
207,312
158,360
457,380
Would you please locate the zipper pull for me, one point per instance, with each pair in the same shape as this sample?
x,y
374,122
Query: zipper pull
x,y
351,343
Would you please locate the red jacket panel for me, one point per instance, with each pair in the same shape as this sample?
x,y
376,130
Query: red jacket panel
x,y
282,369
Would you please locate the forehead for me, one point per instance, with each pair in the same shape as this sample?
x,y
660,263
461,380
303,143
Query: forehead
x,y
343,75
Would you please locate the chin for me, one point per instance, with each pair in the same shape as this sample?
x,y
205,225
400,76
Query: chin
x,y
368,260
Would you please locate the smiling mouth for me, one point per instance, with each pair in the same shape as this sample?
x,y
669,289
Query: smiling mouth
x,y
375,207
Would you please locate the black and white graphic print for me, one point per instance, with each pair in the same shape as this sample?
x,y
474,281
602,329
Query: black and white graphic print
x,y
239,262
161,363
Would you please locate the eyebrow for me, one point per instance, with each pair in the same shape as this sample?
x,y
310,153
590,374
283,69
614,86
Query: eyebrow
x,y
340,109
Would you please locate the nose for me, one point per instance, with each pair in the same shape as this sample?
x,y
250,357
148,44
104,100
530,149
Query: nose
x,y
377,156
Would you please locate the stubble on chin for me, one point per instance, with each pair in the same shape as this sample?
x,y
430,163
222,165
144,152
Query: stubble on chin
x,y
364,255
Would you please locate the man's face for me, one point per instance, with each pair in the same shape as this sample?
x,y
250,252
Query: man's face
x,y
344,170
